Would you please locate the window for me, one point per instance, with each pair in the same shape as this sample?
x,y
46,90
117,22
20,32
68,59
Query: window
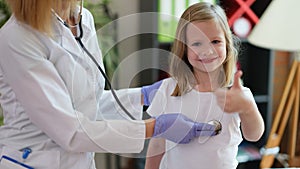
x,y
170,12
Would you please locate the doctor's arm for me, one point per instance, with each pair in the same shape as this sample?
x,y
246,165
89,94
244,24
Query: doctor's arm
x,y
130,99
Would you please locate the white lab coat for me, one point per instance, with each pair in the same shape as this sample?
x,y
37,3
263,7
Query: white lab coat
x,y
54,103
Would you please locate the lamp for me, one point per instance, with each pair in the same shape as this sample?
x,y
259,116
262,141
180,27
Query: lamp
x,y
279,29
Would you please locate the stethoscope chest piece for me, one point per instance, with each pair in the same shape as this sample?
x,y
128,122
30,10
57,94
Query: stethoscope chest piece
x,y
218,125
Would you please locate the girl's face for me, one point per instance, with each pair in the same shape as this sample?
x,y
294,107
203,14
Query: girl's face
x,y
206,46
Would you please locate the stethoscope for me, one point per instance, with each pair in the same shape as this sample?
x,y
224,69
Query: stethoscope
x,y
78,39
217,123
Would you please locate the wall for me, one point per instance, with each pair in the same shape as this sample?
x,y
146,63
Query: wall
x,y
127,24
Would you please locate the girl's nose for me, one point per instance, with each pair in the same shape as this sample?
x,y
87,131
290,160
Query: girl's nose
x,y
207,51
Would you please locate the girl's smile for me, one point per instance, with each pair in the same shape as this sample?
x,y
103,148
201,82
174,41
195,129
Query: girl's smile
x,y
208,60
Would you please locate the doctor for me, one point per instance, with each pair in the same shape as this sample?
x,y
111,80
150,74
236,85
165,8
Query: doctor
x,y
53,96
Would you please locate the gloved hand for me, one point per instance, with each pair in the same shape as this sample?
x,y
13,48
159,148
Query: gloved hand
x,y
180,129
149,92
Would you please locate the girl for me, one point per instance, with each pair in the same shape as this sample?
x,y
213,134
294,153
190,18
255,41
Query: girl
x,y
202,70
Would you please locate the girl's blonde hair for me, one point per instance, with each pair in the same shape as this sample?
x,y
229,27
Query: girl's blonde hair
x,y
37,13
180,66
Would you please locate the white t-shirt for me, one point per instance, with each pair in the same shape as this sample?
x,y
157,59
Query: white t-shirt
x,y
216,152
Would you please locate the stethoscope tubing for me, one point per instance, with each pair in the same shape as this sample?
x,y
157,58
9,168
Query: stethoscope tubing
x,y
78,39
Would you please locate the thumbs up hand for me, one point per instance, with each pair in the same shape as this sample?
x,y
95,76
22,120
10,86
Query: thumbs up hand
x,y
234,99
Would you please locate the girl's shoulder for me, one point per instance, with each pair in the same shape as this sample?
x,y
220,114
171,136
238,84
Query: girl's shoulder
x,y
167,86
169,81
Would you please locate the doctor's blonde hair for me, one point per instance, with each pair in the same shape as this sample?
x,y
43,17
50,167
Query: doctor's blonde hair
x,y
37,13
180,67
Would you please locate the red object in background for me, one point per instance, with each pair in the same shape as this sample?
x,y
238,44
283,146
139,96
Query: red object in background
x,y
238,66
244,8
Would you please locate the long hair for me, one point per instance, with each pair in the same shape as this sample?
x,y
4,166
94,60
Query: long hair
x,y
180,66
37,13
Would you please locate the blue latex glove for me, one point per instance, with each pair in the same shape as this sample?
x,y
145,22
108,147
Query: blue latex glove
x,y
149,92
180,129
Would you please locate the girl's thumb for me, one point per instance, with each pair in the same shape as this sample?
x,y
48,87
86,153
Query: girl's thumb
x,y
236,82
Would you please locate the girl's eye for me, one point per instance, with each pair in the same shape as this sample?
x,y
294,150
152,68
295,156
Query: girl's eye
x,y
215,41
196,44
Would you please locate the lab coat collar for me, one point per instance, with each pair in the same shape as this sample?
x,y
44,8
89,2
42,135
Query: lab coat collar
x,y
66,39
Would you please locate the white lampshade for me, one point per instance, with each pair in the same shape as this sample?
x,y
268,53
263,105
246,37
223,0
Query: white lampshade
x,y
279,26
